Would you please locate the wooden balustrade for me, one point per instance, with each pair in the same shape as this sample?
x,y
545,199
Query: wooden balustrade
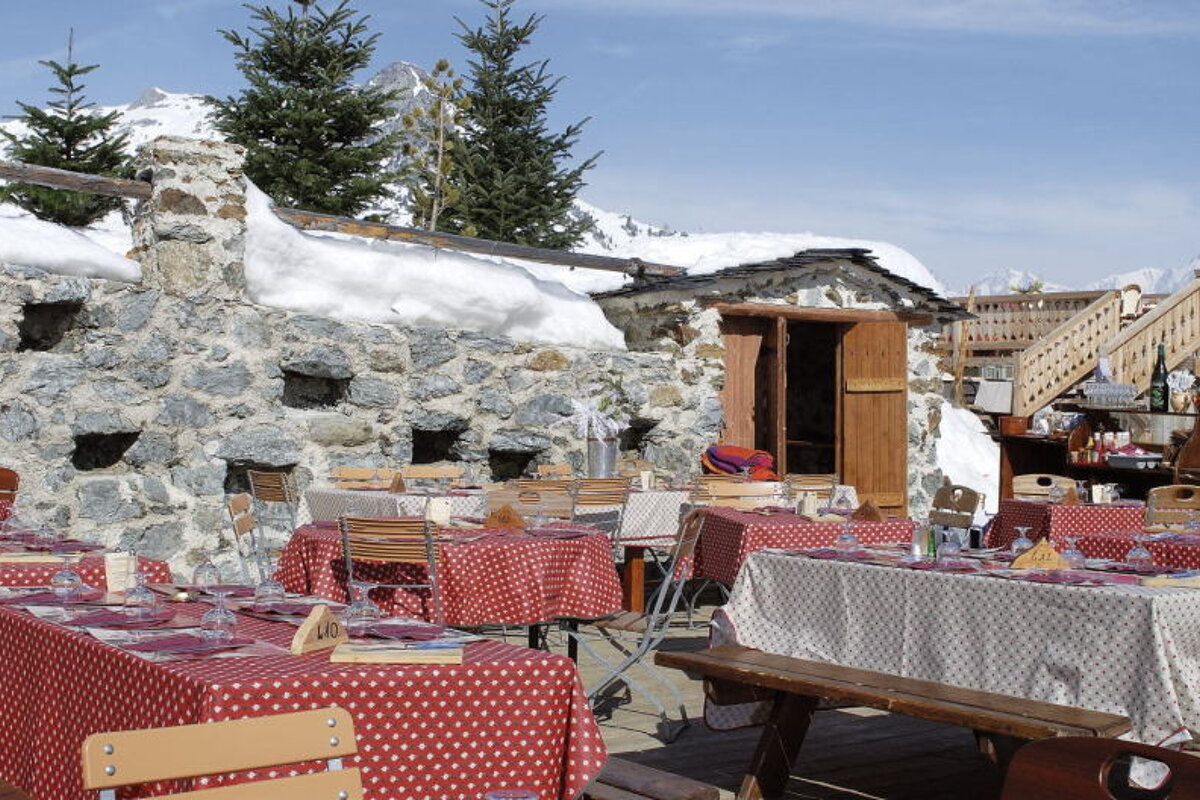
x,y
1065,355
1174,321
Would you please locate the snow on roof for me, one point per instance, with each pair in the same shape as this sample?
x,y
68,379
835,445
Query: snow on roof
x,y
381,281
30,242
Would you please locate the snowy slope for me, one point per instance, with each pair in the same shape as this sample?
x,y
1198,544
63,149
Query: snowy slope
x,y
1006,281
1152,280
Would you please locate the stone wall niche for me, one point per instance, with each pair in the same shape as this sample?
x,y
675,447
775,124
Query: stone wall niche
x,y
308,391
236,479
508,464
430,447
43,325
101,450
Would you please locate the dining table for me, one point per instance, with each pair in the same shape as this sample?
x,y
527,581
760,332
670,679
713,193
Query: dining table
x,y
730,535
28,561
486,576
1111,645
507,717
1168,548
1056,520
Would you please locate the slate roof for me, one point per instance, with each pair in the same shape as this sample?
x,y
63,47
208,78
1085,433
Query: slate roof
x,y
930,300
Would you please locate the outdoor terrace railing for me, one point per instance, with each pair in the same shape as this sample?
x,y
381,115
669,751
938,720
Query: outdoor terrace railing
x,y
1174,322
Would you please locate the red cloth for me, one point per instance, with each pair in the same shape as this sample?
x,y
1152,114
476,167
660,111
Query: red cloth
x,y
731,460
509,579
729,535
1055,520
90,569
507,717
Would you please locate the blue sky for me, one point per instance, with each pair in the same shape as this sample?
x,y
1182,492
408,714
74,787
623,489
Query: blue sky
x,y
1058,136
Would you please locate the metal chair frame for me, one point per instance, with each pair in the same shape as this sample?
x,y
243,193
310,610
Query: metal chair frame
x,y
400,540
276,488
245,528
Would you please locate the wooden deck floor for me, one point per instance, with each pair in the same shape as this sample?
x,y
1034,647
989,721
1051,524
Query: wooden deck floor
x,y
849,753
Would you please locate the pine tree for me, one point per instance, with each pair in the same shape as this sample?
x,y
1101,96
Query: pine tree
x,y
432,135
508,168
66,135
312,139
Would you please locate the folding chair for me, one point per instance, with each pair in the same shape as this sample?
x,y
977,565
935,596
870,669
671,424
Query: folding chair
x,y
645,633
245,528
125,758
739,494
1172,505
274,488
820,486
400,540
10,481
1037,486
554,471
426,474
552,502
600,502
542,484
954,509
363,478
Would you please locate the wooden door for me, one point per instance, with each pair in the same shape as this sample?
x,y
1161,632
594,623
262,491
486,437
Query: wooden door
x,y
874,413
743,344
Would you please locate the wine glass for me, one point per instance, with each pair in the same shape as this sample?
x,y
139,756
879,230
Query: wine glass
x,y
1056,494
268,590
1082,492
361,614
1139,555
847,541
140,601
219,624
64,584
206,575
948,553
1022,542
1074,556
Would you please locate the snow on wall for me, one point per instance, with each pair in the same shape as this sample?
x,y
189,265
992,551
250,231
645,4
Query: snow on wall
x,y
967,455
379,281
30,242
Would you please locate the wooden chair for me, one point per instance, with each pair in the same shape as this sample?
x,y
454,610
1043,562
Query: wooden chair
x,y
1091,768
10,481
363,478
245,529
739,494
125,758
432,473
398,540
954,506
543,484
818,484
1172,505
554,471
274,488
635,635
1035,486
552,502
600,502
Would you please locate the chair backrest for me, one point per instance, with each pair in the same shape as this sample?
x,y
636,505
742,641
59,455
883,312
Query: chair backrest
x,y
241,514
666,597
554,470
1036,486
954,506
720,477
432,472
362,478
542,484
554,502
1172,504
601,492
400,540
819,484
272,487
740,494
126,758
1081,768
10,481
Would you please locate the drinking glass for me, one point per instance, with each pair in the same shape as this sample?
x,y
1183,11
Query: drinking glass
x,y
948,553
207,574
361,614
847,541
1082,492
1139,555
1073,555
1056,494
268,590
1022,542
219,624
140,602
65,583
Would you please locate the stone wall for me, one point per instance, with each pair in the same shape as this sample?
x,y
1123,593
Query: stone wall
x,y
683,324
130,411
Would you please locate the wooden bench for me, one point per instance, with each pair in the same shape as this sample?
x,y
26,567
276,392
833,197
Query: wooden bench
x,y
794,686
626,780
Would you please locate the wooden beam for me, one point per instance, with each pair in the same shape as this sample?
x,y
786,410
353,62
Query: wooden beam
x,y
378,230
822,314
74,181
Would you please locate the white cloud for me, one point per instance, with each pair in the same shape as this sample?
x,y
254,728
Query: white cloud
x,y
1108,17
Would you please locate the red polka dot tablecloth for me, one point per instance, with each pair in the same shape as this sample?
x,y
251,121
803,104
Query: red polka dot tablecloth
x,y
1124,649
90,569
502,578
508,717
729,535
1057,520
1176,550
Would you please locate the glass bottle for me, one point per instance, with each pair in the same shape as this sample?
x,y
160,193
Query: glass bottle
x,y
1158,381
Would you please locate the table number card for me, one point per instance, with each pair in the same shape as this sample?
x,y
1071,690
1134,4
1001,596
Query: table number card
x,y
505,517
118,571
438,510
1041,556
321,631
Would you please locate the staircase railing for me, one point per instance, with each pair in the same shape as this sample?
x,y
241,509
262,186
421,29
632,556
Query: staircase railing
x,y
1175,321
1066,355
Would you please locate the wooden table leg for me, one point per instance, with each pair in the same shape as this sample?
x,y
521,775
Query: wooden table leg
x,y
633,581
778,746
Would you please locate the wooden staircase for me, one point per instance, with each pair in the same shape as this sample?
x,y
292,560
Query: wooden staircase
x,y
1175,322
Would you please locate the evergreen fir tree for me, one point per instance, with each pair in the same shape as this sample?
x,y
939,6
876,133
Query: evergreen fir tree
x,y
312,139
431,136
66,135
508,168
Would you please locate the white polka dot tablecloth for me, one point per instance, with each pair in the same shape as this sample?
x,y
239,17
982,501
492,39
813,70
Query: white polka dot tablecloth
x,y
508,717
1124,649
502,578
327,505
651,517
1056,520
90,569
729,535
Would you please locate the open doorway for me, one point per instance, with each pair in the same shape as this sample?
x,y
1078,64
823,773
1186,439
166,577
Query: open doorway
x,y
811,405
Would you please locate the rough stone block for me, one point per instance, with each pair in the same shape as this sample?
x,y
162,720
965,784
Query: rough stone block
x,y
227,380
335,430
261,444
428,387
475,371
17,423
373,393
322,361
429,347
53,377
547,360
107,500
135,309
545,409
101,422
152,447
179,410
519,441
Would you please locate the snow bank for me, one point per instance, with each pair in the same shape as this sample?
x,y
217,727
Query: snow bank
x,y
379,281
968,455
31,242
